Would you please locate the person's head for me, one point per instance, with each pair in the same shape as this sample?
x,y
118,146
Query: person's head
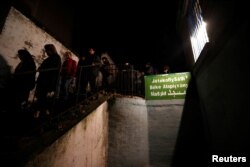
x,y
67,54
23,54
50,49
105,60
166,68
91,51
83,57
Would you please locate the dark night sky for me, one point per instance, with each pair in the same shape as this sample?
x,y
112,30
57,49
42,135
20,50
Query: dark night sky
x,y
134,32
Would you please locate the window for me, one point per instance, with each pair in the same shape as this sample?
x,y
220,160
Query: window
x,y
198,32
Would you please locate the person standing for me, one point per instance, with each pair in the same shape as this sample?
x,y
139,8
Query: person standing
x,y
94,61
149,69
68,73
48,79
81,77
24,77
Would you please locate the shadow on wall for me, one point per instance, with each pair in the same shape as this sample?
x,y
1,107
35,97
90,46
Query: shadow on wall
x,y
164,117
215,118
191,146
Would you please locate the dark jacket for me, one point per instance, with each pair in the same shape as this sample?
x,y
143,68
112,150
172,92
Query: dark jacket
x,y
49,73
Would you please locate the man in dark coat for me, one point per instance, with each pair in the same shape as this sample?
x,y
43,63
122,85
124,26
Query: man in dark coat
x,y
47,80
24,77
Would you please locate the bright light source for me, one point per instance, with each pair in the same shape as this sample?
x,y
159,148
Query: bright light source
x,y
198,32
198,39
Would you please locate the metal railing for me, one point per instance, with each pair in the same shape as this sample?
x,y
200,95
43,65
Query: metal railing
x,y
64,99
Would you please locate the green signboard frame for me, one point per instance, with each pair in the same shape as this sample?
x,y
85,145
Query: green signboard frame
x,y
166,86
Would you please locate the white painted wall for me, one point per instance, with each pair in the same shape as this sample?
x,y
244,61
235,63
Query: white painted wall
x,y
143,133
128,133
84,145
20,32
133,132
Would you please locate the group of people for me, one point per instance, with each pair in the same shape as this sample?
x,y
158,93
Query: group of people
x,y
151,70
61,79
55,78
24,79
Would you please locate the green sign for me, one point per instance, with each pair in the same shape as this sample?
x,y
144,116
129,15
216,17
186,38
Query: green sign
x,y
166,86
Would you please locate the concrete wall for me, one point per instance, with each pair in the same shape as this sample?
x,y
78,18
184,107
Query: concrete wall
x,y
83,145
143,133
133,133
55,17
128,133
220,79
223,89
164,118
